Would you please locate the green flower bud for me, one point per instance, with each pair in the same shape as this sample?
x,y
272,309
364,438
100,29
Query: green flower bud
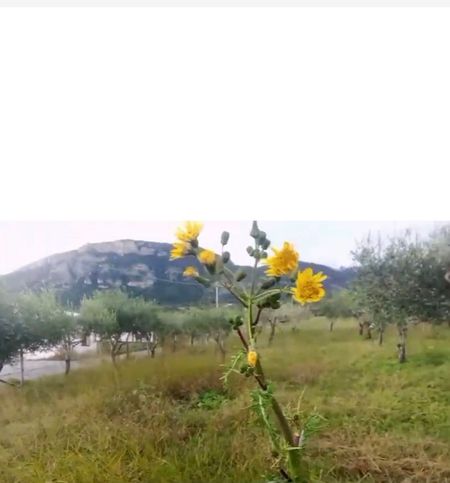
x,y
240,275
257,253
250,250
249,371
268,283
224,238
225,257
236,322
239,320
255,230
204,281
265,244
263,255
262,236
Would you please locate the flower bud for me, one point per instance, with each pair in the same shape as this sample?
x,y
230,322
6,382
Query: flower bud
x,y
250,250
255,230
224,238
257,253
262,236
263,255
236,322
240,275
265,244
268,283
204,281
225,257
252,358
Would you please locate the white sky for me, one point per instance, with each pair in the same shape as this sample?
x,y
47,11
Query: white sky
x,y
329,243
221,113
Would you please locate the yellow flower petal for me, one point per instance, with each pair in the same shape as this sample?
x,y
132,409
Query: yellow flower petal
x,y
190,231
308,287
179,250
283,262
252,358
190,272
207,257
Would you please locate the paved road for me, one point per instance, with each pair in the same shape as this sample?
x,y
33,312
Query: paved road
x,y
35,369
38,368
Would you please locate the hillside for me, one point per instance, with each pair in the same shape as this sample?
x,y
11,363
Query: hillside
x,y
140,267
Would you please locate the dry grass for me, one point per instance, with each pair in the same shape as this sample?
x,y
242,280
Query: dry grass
x,y
170,419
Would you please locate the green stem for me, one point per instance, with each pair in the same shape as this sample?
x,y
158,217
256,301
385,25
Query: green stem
x,y
298,472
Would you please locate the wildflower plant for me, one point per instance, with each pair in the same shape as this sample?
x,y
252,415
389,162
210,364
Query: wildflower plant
x,y
282,276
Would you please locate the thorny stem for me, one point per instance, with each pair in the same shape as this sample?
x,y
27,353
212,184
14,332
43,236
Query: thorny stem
x,y
258,316
299,474
230,289
241,336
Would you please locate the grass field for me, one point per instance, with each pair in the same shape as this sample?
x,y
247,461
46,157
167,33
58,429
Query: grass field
x,y
169,419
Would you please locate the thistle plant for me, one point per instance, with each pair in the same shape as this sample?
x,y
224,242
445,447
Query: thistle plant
x,y
256,294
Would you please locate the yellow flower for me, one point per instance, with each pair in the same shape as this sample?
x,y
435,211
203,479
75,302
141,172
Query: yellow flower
x,y
309,287
190,231
252,358
284,261
179,250
190,272
207,257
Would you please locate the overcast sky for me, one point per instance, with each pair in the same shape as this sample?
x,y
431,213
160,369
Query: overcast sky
x,y
327,242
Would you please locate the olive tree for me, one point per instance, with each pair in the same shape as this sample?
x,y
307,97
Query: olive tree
x,y
145,322
401,282
340,305
106,314
9,344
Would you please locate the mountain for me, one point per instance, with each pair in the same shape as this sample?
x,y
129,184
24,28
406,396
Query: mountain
x,y
140,267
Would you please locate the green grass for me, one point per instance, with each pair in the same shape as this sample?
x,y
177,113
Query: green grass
x,y
169,419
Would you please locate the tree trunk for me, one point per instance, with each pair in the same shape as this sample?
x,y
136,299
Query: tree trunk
x,y
67,361
152,350
401,353
402,345
369,331
221,347
148,347
361,328
174,343
192,339
114,350
331,325
273,326
22,368
128,349
381,336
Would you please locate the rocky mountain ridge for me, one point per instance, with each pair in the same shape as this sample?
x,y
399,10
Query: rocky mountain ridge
x,y
140,267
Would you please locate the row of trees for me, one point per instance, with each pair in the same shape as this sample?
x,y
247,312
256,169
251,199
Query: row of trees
x,y
33,322
403,282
